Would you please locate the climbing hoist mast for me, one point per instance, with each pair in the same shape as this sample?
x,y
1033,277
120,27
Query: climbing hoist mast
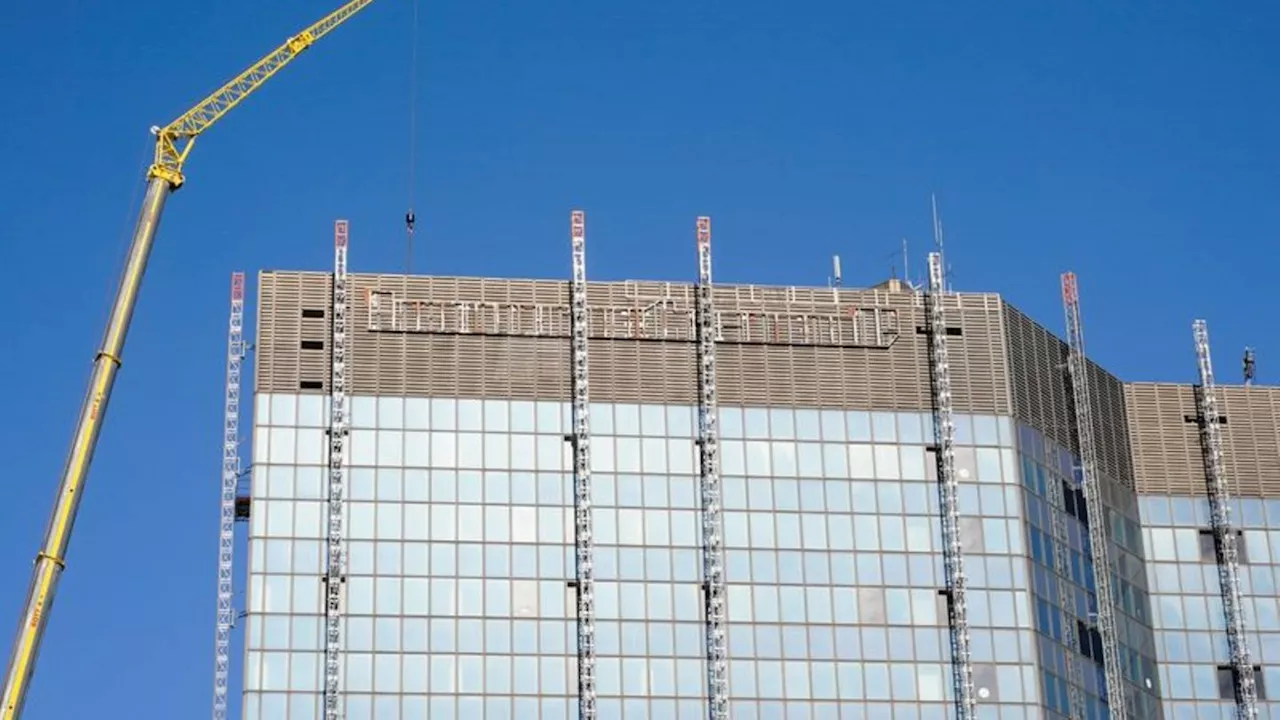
x,y
580,440
1224,536
1062,568
173,143
709,453
1078,370
949,495
335,568
227,509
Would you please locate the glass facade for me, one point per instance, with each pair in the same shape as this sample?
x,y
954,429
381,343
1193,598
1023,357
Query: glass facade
x,y
1187,603
460,539
1063,624
460,545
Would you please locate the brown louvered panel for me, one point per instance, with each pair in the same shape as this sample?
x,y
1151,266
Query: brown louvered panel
x,y
1167,450
279,331
314,365
469,367
1042,394
626,369
829,374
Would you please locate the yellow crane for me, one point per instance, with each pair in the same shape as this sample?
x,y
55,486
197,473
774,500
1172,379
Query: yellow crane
x,y
173,143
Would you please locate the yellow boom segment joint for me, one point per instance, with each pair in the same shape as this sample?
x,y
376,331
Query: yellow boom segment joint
x,y
55,560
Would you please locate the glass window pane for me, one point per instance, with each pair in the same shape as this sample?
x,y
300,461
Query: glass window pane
x,y
857,426
808,425
495,416
833,425
470,415
444,414
390,413
653,420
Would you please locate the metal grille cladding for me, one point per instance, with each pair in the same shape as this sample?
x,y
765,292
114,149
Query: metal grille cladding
x,y
1042,395
1167,451
293,317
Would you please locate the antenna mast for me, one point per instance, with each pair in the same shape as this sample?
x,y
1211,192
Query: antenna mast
x,y
1224,536
906,263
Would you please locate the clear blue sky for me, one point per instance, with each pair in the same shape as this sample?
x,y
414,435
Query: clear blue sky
x,y
1132,142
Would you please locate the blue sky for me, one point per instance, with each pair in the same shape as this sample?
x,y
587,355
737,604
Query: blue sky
x,y
1131,142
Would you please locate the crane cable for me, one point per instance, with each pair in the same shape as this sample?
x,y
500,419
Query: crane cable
x,y
409,218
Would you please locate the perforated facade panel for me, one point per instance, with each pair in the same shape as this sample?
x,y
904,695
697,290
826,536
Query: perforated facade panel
x,y
1042,396
1166,442
639,350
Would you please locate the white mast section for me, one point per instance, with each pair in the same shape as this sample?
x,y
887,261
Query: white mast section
x,y
949,495
581,444
227,509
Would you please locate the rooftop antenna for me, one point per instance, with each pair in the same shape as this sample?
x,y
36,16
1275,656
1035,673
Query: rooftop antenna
x,y
835,268
906,263
1250,366
937,239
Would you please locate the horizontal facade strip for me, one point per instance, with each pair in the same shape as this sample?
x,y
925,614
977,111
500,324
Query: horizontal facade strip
x,y
765,372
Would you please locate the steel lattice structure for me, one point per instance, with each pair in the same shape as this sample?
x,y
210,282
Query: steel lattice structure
x,y
1061,566
1078,370
335,576
581,443
709,468
227,505
948,495
1224,536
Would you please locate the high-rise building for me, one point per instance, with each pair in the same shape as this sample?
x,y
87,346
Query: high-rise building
x,y
460,583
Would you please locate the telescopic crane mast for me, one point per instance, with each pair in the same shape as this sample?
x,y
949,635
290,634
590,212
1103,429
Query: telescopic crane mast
x,y
173,144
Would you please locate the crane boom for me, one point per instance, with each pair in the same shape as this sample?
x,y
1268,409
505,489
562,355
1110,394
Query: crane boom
x,y
174,141
173,144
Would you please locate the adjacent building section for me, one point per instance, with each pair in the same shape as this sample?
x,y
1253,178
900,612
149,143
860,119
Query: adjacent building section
x,y
1176,479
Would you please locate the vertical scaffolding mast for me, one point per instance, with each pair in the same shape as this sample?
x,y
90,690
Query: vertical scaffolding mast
x,y
1075,679
581,442
948,495
227,509
1223,535
709,452
1078,370
335,576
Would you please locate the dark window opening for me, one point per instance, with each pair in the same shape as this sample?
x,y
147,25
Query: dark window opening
x,y
951,331
1069,499
955,332
1082,634
1227,682
310,385
1209,547
312,344
1222,419
1073,502
310,313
